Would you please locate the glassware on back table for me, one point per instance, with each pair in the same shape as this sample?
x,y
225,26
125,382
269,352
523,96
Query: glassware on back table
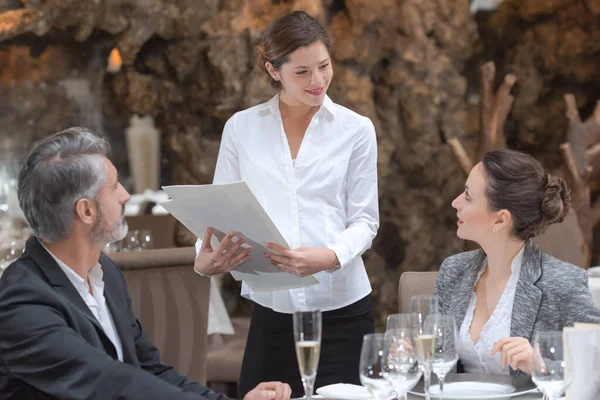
x,y
146,240
371,367
423,338
307,337
547,364
401,367
131,242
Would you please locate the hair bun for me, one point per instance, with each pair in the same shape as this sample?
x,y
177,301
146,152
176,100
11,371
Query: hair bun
x,y
556,200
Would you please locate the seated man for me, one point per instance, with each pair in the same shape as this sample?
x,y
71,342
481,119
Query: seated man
x,y
67,328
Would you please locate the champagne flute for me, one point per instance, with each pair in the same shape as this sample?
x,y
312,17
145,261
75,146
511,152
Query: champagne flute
x,y
307,336
401,367
445,352
547,364
423,336
371,367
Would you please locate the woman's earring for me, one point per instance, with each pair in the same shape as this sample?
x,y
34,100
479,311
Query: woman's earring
x,y
494,229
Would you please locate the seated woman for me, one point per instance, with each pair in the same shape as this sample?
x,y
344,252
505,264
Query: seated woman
x,y
505,292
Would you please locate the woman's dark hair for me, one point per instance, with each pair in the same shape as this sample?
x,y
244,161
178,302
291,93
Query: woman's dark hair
x,y
286,34
517,182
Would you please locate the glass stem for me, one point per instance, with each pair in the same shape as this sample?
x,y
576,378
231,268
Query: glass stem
x,y
441,383
309,386
426,381
402,395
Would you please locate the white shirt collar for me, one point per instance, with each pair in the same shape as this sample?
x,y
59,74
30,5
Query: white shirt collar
x,y
95,274
273,105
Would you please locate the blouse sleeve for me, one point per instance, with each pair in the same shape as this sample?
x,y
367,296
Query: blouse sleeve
x,y
362,199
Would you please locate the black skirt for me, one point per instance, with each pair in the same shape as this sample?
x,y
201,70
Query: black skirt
x,y
270,354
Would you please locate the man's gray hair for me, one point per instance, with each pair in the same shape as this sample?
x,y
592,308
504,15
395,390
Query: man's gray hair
x,y
60,170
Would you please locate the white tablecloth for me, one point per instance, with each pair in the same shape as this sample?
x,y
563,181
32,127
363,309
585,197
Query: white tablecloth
x,y
413,397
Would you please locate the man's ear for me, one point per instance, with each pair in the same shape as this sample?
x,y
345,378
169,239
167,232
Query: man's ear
x,y
85,211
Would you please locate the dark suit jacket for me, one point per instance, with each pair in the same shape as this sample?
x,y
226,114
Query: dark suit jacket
x,y
551,294
51,346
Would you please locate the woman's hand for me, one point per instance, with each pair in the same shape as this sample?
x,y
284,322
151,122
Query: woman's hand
x,y
302,261
516,352
224,258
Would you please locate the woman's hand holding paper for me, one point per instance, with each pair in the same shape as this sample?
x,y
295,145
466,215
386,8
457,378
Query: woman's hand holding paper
x,y
227,256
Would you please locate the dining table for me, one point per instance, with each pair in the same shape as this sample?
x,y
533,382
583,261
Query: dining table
x,y
530,396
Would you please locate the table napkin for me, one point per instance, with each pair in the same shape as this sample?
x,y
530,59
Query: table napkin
x,y
344,391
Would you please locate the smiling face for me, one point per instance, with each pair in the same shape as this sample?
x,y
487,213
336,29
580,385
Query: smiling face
x,y
305,76
475,219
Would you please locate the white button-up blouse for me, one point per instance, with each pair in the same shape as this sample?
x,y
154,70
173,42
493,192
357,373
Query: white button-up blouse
x,y
475,357
326,197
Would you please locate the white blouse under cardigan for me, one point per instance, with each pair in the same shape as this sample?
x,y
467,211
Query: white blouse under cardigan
x,y
475,357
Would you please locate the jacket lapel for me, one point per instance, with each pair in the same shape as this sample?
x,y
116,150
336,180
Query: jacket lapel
x,y
118,309
57,278
527,296
464,288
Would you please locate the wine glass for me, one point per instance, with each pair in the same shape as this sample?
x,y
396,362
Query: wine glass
x,y
371,367
547,364
445,351
131,242
145,239
396,321
423,336
400,361
307,336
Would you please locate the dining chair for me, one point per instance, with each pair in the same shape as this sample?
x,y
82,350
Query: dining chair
x,y
414,283
172,303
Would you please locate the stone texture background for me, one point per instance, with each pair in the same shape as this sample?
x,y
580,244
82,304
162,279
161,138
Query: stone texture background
x,y
409,65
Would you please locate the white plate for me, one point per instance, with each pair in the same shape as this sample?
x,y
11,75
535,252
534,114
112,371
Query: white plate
x,y
474,390
480,387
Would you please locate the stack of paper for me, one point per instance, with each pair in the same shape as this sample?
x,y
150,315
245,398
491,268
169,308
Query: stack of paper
x,y
581,345
233,208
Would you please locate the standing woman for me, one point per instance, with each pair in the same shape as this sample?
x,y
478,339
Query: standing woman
x,y
312,164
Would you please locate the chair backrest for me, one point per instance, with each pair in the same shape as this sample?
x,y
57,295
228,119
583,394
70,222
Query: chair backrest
x,y
565,241
171,301
414,283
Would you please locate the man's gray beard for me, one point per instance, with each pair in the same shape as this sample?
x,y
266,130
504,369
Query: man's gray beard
x,y
101,234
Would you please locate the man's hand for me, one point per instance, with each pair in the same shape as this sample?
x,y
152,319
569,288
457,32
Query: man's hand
x,y
302,261
516,352
270,391
225,258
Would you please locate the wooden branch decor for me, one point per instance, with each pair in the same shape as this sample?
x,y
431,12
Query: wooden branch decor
x,y
581,156
494,111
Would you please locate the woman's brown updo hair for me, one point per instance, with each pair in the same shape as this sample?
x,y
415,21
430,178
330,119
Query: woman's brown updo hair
x,y
284,36
517,182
